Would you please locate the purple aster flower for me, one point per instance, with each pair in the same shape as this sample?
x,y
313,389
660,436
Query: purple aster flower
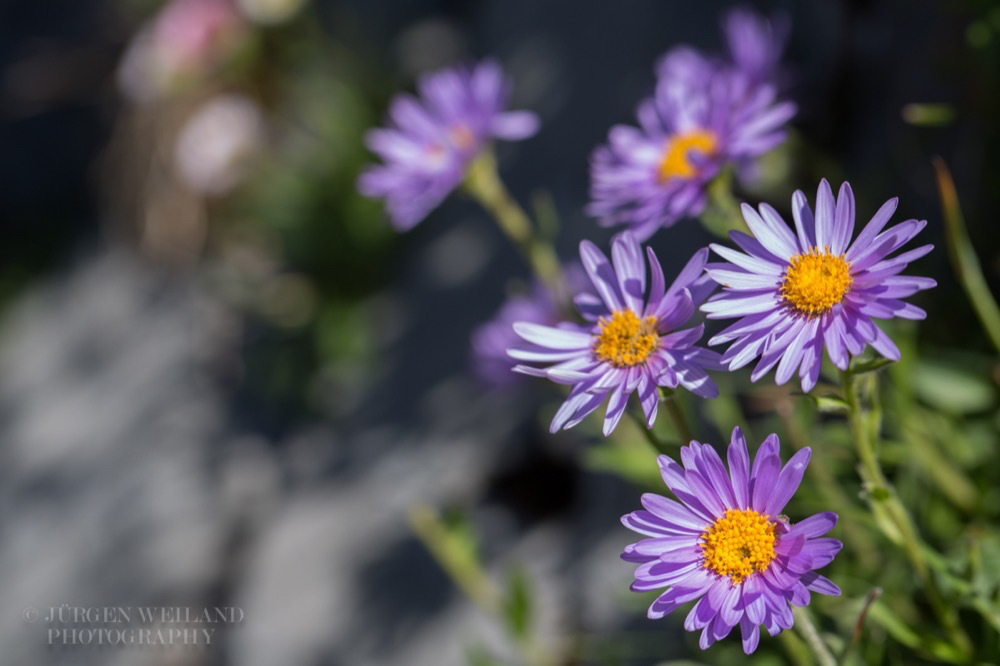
x,y
631,341
726,544
798,292
704,115
491,340
432,140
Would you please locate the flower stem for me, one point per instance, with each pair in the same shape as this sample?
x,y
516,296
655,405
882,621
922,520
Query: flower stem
x,y
826,482
676,415
458,560
808,630
723,213
658,444
864,424
483,183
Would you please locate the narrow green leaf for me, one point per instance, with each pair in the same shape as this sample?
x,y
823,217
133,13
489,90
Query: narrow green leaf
x,y
870,365
946,386
963,255
829,404
519,604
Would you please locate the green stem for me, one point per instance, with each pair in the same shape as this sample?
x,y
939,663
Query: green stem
x,y
658,444
963,256
723,213
465,571
881,495
808,630
676,415
821,473
483,183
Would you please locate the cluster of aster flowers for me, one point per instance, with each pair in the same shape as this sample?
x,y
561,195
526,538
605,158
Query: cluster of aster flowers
x,y
794,291
706,113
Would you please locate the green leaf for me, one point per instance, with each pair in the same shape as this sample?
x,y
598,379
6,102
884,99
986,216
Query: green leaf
x,y
963,256
629,458
898,629
944,384
519,604
870,365
829,404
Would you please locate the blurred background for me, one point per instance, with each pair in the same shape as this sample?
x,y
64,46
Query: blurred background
x,y
224,380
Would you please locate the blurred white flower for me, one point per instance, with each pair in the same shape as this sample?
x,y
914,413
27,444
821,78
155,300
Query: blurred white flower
x,y
214,145
270,12
184,41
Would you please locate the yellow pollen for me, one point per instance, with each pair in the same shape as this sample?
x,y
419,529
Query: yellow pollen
x,y
815,281
738,544
676,162
625,340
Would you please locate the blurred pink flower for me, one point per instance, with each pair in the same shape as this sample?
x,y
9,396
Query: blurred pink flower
x,y
186,40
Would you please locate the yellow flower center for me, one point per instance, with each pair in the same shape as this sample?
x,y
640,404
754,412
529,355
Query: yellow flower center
x,y
462,137
625,340
815,281
676,162
738,544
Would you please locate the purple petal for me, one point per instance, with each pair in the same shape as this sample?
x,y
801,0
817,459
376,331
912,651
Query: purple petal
x,y
701,614
601,274
630,268
657,288
692,271
777,239
805,225
723,306
750,632
788,482
515,125
616,408
833,337
762,482
747,262
814,526
672,513
739,468
649,524
552,337
818,583
824,215
843,225
872,229
821,551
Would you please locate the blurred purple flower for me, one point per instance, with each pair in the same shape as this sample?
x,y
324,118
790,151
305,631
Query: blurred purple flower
x,y
491,340
705,114
187,39
632,342
726,544
756,43
798,292
432,140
